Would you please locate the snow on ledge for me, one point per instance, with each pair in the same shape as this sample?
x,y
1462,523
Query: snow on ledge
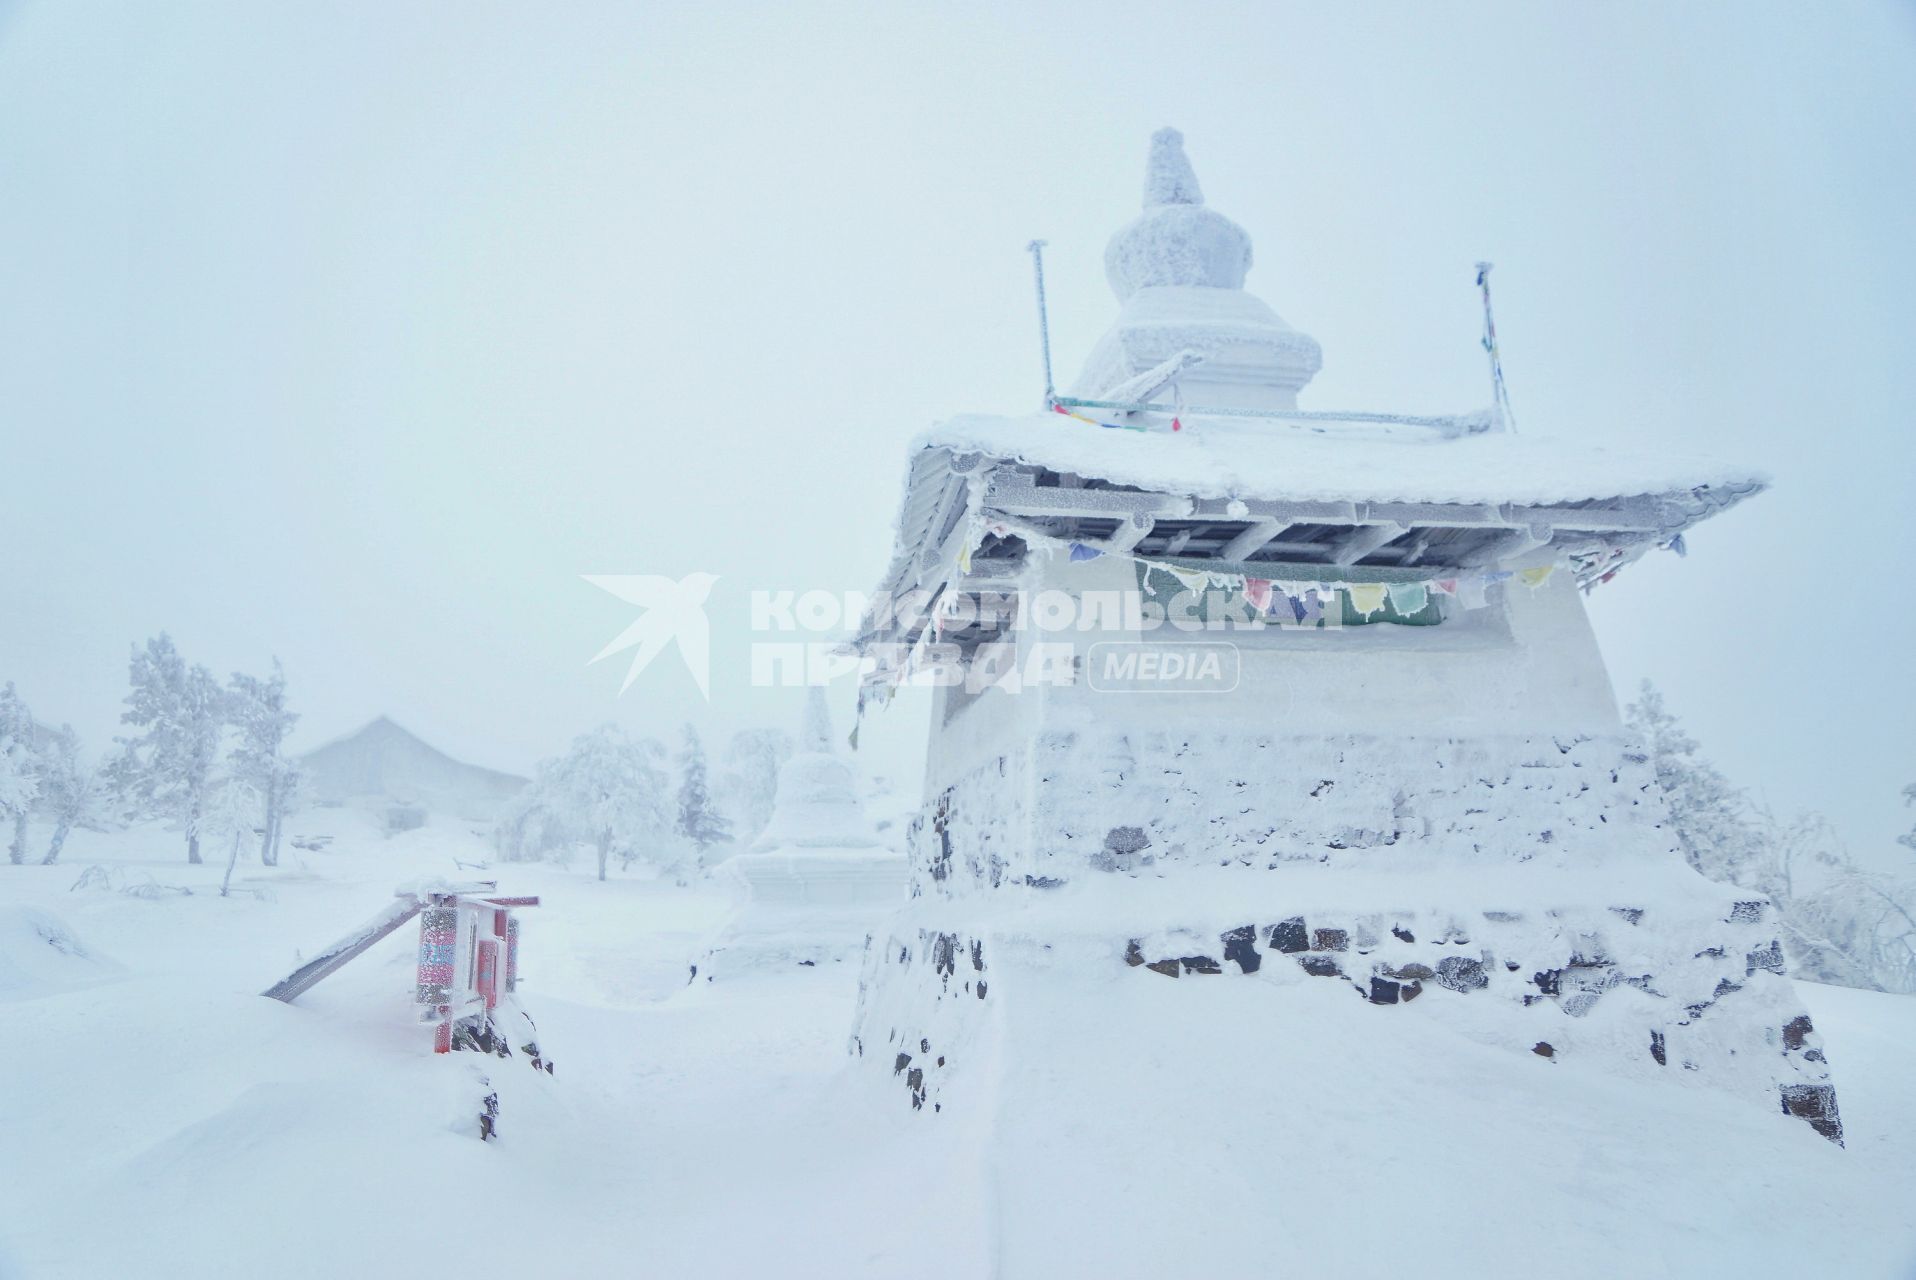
x,y
1230,458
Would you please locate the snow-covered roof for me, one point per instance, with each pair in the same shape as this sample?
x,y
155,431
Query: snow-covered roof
x,y
1268,458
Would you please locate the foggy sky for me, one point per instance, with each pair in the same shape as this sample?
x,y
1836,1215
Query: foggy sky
x,y
356,334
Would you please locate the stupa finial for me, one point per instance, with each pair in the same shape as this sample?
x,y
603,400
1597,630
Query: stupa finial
x,y
1168,176
815,732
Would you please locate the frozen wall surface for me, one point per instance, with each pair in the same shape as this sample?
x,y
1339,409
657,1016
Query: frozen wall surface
x,y
1446,817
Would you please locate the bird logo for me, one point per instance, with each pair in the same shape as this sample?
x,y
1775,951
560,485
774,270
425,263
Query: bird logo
x,y
673,611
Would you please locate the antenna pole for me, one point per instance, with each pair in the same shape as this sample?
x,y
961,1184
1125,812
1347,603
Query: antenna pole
x,y
1036,248
1500,394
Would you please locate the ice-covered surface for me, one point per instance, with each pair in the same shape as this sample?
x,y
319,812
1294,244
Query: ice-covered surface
x,y
40,955
1233,458
170,1122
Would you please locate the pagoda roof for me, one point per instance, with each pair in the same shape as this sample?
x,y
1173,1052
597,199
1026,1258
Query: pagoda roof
x,y
1347,497
1341,457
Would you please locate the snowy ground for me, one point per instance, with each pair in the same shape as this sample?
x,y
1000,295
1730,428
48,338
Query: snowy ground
x,y
159,1118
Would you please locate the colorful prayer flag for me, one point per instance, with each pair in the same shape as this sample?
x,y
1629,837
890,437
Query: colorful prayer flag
x,y
1408,597
1367,597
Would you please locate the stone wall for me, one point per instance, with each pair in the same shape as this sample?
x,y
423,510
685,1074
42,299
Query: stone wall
x,y
1526,887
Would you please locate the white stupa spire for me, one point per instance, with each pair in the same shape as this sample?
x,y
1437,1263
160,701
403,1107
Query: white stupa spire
x,y
1178,268
815,731
1168,176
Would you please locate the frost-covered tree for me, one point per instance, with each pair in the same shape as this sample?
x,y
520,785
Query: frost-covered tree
x,y
20,768
181,710
73,793
1908,838
749,785
257,710
1711,818
699,821
610,790
1839,922
229,816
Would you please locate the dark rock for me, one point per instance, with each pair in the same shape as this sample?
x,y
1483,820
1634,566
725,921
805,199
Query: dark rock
x,y
1123,840
1319,966
1412,990
1200,964
1815,1103
924,1046
1544,1049
1330,940
1402,934
978,954
1657,1050
1414,971
1746,912
1240,947
981,988
1797,1031
1550,981
1290,936
1632,914
1724,987
1383,991
1461,973
1770,957
1134,954
1717,952
899,1063
1169,968
1042,882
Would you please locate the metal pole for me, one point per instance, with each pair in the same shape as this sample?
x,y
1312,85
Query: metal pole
x,y
1500,395
1036,248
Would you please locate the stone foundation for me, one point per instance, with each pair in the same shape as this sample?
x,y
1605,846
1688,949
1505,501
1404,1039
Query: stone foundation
x,y
1523,889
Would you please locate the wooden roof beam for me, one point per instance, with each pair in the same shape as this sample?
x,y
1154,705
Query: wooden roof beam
x,y
1363,540
1252,540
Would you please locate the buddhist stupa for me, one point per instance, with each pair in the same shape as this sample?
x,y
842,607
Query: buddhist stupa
x,y
818,879
1259,703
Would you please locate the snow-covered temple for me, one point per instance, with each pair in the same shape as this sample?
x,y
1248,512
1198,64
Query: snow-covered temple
x,y
1298,701
817,880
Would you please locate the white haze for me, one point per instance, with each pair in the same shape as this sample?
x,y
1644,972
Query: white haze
x,y
355,334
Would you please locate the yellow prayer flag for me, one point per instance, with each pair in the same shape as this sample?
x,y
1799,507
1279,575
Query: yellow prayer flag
x,y
1367,597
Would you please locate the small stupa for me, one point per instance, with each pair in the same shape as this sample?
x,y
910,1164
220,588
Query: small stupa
x,y
818,879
